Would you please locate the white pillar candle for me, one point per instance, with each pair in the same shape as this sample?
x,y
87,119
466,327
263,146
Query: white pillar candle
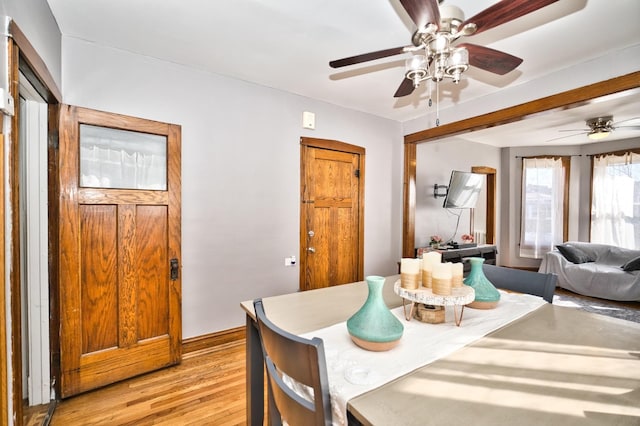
x,y
409,266
410,273
443,270
441,278
428,260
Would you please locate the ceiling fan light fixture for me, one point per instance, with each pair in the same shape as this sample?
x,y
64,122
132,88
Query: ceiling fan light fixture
x,y
600,127
458,63
417,69
597,135
439,45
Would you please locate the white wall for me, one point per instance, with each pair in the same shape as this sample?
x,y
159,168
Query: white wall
x,y
37,22
434,163
240,173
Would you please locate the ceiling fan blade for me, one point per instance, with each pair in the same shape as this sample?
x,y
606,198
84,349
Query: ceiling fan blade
x,y
568,136
624,121
422,12
503,12
405,88
627,128
366,57
491,60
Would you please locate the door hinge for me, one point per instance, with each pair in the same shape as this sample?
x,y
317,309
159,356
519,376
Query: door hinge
x,y
357,173
54,141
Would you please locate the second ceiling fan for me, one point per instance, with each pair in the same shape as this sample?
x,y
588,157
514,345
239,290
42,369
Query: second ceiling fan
x,y
600,127
438,28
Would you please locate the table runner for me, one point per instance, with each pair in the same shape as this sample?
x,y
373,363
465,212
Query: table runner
x,y
353,371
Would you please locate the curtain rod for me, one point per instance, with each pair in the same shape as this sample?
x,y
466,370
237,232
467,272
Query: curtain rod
x,y
552,156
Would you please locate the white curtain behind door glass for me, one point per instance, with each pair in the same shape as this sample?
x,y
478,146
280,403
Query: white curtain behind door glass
x,y
542,206
113,158
616,199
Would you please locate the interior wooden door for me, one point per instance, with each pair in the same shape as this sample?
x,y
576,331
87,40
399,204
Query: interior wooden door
x,y
332,187
119,246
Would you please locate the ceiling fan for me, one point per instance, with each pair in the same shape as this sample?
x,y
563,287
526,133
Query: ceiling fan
x,y
439,27
600,127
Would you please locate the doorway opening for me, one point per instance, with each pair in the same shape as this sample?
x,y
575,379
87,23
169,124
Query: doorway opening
x,y
33,247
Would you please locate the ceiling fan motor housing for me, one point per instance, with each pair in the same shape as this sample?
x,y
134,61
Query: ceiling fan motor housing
x,y
601,124
450,18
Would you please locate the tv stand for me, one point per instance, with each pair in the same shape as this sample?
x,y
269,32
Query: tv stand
x,y
487,251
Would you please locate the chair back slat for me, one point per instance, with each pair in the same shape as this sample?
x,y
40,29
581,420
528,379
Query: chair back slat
x,y
297,373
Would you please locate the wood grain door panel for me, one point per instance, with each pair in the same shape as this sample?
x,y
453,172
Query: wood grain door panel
x,y
152,266
120,310
98,270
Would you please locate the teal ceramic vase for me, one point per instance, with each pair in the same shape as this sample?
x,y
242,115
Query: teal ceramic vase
x,y
374,327
487,296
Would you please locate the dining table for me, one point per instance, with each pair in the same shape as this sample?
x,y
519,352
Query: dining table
x,y
550,365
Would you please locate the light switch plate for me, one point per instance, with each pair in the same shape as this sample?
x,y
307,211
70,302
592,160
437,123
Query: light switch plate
x,y
308,120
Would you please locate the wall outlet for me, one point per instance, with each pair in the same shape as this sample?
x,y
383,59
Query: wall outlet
x,y
290,261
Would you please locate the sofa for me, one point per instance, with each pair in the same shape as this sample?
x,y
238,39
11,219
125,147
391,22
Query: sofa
x,y
595,270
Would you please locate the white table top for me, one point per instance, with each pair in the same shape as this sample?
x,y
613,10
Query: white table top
x,y
556,366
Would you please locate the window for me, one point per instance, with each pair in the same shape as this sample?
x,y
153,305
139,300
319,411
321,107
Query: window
x,y
545,182
615,199
115,158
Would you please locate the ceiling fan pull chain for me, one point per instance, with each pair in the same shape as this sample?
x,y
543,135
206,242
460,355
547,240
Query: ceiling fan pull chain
x,y
430,88
437,103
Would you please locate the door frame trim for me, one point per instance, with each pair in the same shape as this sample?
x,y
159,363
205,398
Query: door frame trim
x,y
342,147
490,217
24,58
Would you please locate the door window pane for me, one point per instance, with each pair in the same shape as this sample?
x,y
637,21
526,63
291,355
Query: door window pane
x,y
122,159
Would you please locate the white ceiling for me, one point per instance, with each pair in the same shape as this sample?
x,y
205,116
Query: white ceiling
x,y
287,44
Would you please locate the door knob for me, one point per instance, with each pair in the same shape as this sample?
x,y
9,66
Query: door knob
x,y
311,249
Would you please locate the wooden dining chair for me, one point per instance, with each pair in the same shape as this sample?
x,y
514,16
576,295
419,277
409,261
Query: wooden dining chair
x,y
288,359
529,282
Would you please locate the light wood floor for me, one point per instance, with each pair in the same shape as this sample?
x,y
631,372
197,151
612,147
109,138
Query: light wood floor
x,y
207,388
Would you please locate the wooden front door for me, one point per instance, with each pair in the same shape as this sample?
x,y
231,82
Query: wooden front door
x,y
119,247
331,210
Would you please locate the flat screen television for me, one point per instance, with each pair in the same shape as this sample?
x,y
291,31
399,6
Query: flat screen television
x,y
463,190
